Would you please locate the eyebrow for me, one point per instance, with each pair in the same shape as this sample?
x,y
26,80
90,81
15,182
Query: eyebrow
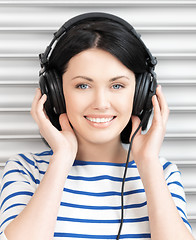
x,y
91,80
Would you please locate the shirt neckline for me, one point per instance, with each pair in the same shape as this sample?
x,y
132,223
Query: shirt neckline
x,y
82,162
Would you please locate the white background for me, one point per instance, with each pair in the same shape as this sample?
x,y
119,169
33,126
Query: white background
x,y
167,27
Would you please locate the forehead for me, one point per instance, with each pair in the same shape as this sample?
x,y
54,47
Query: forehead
x,y
96,62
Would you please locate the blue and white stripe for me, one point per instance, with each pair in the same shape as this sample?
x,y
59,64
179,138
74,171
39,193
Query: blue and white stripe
x,y
90,207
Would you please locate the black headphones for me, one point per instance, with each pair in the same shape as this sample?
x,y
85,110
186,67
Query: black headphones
x,y
50,81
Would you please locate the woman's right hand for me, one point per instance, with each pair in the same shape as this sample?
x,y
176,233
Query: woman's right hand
x,y
60,141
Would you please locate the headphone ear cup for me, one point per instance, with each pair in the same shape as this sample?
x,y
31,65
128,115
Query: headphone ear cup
x,y
144,92
145,89
43,83
56,91
135,102
141,92
51,85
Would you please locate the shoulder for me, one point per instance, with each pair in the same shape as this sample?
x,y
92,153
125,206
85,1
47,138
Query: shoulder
x,y
175,185
28,165
168,167
173,177
31,160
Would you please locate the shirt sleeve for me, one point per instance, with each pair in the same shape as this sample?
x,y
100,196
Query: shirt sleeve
x,y
18,184
2,236
176,188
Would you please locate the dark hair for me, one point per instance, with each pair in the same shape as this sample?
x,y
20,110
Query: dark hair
x,y
103,34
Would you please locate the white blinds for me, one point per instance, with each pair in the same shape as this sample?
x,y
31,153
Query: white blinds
x,y
167,27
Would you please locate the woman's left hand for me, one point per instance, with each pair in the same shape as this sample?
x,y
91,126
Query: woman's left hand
x,y
146,147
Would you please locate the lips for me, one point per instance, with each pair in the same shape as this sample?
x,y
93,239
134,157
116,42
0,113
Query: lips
x,y
100,119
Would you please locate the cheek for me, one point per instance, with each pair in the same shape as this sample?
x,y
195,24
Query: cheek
x,y
126,111
125,103
70,103
75,105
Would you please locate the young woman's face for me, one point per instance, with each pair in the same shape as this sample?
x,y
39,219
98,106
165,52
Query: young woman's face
x,y
99,93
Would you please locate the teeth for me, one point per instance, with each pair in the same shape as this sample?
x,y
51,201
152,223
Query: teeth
x,y
99,120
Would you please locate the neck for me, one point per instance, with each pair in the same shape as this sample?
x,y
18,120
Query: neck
x,y
107,152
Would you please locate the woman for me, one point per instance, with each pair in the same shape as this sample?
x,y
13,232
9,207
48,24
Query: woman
x,y
74,190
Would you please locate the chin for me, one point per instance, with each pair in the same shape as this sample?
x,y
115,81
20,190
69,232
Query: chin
x,y
98,138
98,134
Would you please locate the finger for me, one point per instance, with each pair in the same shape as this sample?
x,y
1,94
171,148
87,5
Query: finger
x,y
64,122
161,99
157,118
40,114
34,104
44,123
135,123
36,97
163,104
40,108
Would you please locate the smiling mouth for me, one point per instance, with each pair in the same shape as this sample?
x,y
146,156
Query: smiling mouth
x,y
100,120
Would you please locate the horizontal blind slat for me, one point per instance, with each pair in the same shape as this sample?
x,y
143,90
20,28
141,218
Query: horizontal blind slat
x,y
171,37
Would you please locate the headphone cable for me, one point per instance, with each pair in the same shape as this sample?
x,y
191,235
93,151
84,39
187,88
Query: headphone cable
x,y
124,177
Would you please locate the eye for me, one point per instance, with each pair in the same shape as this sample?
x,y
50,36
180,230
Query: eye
x,y
117,86
82,86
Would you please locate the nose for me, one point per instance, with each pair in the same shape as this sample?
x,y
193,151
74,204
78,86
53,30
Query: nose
x,y
101,100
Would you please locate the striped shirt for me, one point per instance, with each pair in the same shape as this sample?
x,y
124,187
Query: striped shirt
x,y
90,207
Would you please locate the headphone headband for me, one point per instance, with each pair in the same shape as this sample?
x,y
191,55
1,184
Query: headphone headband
x,y
151,61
